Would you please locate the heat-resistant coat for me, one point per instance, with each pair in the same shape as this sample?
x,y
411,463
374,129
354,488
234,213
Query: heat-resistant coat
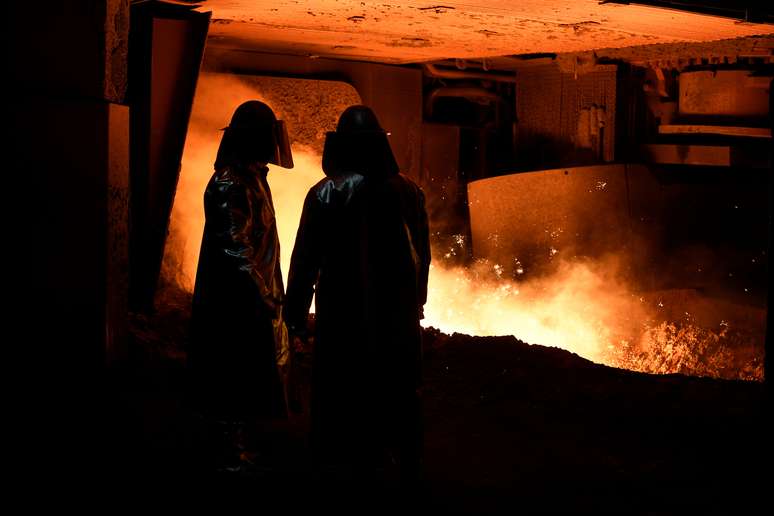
x,y
237,327
362,249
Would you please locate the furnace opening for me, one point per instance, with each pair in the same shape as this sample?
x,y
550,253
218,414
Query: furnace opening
x,y
577,258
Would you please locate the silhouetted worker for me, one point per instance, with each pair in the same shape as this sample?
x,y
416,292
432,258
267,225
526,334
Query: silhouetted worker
x,y
363,249
238,335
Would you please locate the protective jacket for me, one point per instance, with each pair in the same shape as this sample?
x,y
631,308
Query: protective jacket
x,y
238,335
363,250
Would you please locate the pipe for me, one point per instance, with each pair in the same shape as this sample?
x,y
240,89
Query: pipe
x,y
468,92
434,71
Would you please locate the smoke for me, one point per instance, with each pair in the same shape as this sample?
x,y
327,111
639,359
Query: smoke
x,y
216,98
590,307
587,306
583,307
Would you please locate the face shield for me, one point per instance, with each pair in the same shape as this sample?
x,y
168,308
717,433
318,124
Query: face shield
x,y
283,156
255,135
251,144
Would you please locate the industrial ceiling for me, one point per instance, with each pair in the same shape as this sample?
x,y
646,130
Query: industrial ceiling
x,y
411,31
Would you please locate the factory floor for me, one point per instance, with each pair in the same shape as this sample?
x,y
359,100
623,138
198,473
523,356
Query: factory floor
x,y
509,428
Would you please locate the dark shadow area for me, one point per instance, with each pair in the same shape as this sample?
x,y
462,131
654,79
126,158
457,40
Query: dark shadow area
x,y
509,428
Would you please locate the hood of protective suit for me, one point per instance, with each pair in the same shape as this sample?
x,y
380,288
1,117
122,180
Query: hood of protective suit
x,y
359,145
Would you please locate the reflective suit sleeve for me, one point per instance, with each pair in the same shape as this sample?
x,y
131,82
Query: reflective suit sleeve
x,y
423,251
304,266
240,235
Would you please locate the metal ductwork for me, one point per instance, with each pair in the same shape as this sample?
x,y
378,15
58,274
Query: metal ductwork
x,y
441,73
467,92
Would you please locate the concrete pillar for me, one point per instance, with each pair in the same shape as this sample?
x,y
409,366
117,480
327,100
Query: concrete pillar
x,y
71,159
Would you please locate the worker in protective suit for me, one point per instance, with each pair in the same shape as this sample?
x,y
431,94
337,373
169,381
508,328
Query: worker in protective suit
x,y
238,344
363,250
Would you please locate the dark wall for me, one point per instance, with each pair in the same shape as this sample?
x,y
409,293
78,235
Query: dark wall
x,y
70,157
70,49
79,224
565,119
702,227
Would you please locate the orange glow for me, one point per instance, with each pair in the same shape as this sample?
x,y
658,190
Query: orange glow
x,y
216,98
418,31
584,306
580,308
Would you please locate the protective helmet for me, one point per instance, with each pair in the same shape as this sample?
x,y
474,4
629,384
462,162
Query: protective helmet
x,y
358,145
255,134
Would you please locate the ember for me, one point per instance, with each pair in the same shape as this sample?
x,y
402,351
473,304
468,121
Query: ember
x,y
586,309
